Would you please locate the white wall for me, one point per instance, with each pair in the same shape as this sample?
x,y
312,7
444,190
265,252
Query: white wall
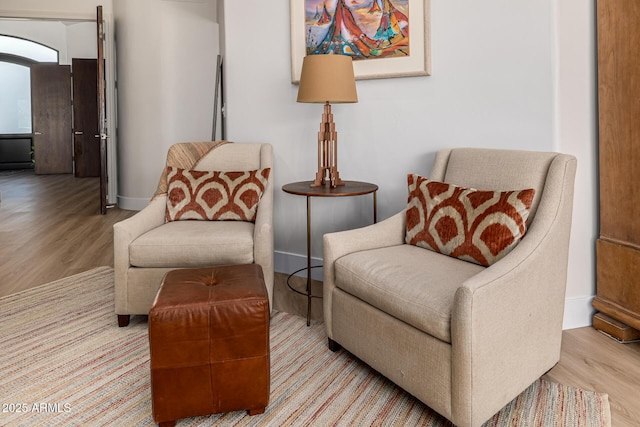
x,y
576,133
504,74
71,39
166,73
488,89
60,9
52,34
81,40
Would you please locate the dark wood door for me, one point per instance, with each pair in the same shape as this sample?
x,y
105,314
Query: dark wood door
x,y
51,107
102,112
86,142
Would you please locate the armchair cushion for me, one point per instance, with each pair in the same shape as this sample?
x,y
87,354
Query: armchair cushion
x,y
181,244
214,195
480,226
408,283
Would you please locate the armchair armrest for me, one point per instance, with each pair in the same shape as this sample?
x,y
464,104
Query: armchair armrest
x,y
506,329
125,232
389,232
506,322
263,247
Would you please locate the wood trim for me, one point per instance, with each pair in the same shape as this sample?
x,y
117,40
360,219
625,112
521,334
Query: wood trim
x,y
617,330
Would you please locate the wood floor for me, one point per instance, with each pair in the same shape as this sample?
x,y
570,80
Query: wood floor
x,y
50,227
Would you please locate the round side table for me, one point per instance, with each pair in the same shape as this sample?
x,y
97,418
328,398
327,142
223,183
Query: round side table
x,y
303,188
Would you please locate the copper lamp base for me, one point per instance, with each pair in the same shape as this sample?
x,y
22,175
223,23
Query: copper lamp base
x,y
327,152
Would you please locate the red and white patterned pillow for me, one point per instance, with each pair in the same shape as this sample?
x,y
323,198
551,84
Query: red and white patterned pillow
x,y
214,195
473,225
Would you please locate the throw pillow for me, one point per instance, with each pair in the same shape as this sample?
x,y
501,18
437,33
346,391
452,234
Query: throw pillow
x,y
214,195
473,225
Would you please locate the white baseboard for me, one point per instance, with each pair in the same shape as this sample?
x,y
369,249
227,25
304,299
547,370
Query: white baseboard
x,y
578,312
287,263
133,203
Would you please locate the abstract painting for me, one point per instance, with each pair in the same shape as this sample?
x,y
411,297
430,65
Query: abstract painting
x,y
358,28
385,38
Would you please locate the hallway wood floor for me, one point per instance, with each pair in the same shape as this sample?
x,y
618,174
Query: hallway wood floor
x,y
50,228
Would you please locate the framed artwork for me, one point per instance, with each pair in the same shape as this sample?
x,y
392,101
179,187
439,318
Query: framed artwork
x,y
386,38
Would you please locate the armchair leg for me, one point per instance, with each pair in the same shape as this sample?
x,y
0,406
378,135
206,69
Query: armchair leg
x,y
334,346
123,320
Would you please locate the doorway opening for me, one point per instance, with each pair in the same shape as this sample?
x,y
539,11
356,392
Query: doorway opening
x,y
17,56
61,140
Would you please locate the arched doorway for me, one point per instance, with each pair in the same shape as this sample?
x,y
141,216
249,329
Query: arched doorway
x,y
76,38
17,56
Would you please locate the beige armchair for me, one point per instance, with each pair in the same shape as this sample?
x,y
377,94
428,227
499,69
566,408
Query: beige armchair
x,y
463,338
146,248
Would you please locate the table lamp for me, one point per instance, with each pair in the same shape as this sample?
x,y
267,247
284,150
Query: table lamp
x,y
327,79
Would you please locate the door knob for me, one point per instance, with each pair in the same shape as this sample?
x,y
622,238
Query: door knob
x,y
37,133
79,133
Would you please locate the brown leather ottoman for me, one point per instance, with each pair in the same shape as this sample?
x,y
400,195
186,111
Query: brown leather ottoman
x,y
209,343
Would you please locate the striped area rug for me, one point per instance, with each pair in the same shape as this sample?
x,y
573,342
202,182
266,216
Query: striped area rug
x,y
64,362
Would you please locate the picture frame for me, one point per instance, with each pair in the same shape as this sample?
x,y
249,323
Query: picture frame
x,y
379,66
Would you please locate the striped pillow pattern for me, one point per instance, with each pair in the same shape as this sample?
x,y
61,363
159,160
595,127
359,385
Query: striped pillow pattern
x,y
214,195
473,225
